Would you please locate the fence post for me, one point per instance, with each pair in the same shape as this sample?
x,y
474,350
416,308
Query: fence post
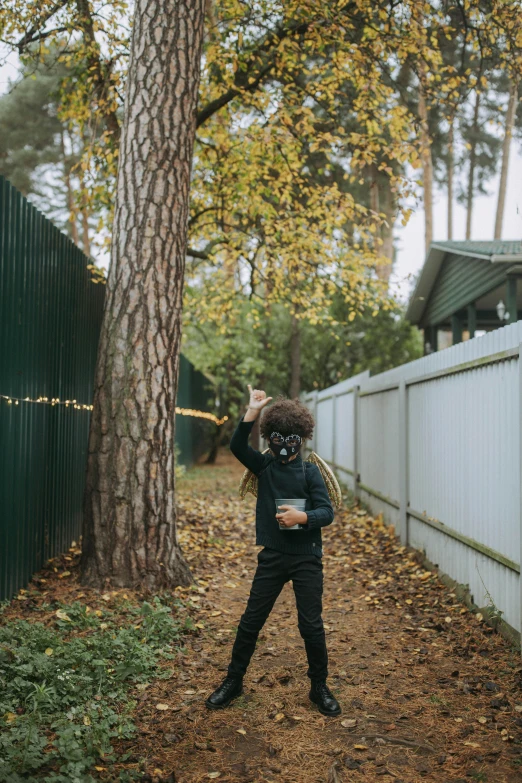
x,y
334,426
403,463
314,439
519,481
356,477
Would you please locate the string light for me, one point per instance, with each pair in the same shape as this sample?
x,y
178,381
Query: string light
x,y
46,401
81,406
201,415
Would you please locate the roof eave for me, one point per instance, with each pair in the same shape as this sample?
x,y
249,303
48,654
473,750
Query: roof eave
x,y
428,275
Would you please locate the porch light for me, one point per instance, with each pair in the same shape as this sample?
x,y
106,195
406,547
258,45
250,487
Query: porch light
x,y
501,311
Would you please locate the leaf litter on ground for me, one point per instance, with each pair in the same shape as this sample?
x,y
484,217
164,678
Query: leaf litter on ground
x,y
422,698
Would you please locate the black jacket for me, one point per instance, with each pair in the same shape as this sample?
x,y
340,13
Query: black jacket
x,y
296,479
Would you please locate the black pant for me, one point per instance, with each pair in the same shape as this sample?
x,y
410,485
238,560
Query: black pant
x,y
273,570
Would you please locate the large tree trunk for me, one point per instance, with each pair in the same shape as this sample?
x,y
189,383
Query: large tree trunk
x,y
510,121
451,171
427,166
295,358
472,163
129,531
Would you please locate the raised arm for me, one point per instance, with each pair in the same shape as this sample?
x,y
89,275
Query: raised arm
x,y
239,446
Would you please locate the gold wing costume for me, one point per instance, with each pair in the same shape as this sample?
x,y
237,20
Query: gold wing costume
x,y
248,481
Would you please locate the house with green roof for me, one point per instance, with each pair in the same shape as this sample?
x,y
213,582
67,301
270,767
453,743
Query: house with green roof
x,y
466,286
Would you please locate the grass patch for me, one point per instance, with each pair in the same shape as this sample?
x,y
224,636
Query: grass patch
x,y
68,685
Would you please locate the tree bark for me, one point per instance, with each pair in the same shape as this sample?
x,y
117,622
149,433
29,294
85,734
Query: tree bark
x,y
451,171
129,531
295,359
510,121
472,162
427,166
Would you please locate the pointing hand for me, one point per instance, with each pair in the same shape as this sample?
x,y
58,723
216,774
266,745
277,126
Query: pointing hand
x,y
258,398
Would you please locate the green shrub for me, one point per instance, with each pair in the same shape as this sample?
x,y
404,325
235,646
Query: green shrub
x,y
64,690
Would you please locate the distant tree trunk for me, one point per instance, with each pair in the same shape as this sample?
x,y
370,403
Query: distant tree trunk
x,y
374,188
85,233
255,434
451,167
389,209
85,220
510,121
427,166
472,163
73,226
129,530
295,358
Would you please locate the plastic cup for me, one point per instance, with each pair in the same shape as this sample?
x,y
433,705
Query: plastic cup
x,y
298,503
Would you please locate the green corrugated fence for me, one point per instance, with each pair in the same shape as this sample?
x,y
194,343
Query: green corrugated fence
x,y
50,318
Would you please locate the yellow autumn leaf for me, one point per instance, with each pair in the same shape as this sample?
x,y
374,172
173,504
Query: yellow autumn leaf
x,y
162,706
241,731
86,720
62,615
48,651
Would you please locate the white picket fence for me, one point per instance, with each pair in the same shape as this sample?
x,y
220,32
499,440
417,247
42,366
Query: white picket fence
x,y
435,445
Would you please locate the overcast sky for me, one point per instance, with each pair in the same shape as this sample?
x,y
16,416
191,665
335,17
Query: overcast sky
x,y
410,239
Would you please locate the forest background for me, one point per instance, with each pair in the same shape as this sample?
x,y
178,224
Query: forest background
x,y
291,147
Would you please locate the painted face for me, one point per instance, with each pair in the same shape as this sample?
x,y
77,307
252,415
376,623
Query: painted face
x,y
285,447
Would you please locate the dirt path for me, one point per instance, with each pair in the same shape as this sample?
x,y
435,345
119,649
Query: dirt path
x,y
428,691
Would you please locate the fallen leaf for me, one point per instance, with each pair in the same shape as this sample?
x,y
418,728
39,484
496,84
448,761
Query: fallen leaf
x,y
213,775
10,717
241,731
64,573
62,615
472,744
279,716
162,706
482,719
349,723
49,651
86,720
215,614
360,747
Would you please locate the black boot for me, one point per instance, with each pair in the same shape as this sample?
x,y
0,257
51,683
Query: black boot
x,y
321,695
230,688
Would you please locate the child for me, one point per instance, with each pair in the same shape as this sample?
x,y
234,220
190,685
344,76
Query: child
x,y
289,552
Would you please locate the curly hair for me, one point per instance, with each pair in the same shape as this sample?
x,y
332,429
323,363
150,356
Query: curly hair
x,y
288,417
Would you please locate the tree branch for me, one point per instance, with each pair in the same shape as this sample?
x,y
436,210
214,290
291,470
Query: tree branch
x,y
243,81
31,35
205,253
94,64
